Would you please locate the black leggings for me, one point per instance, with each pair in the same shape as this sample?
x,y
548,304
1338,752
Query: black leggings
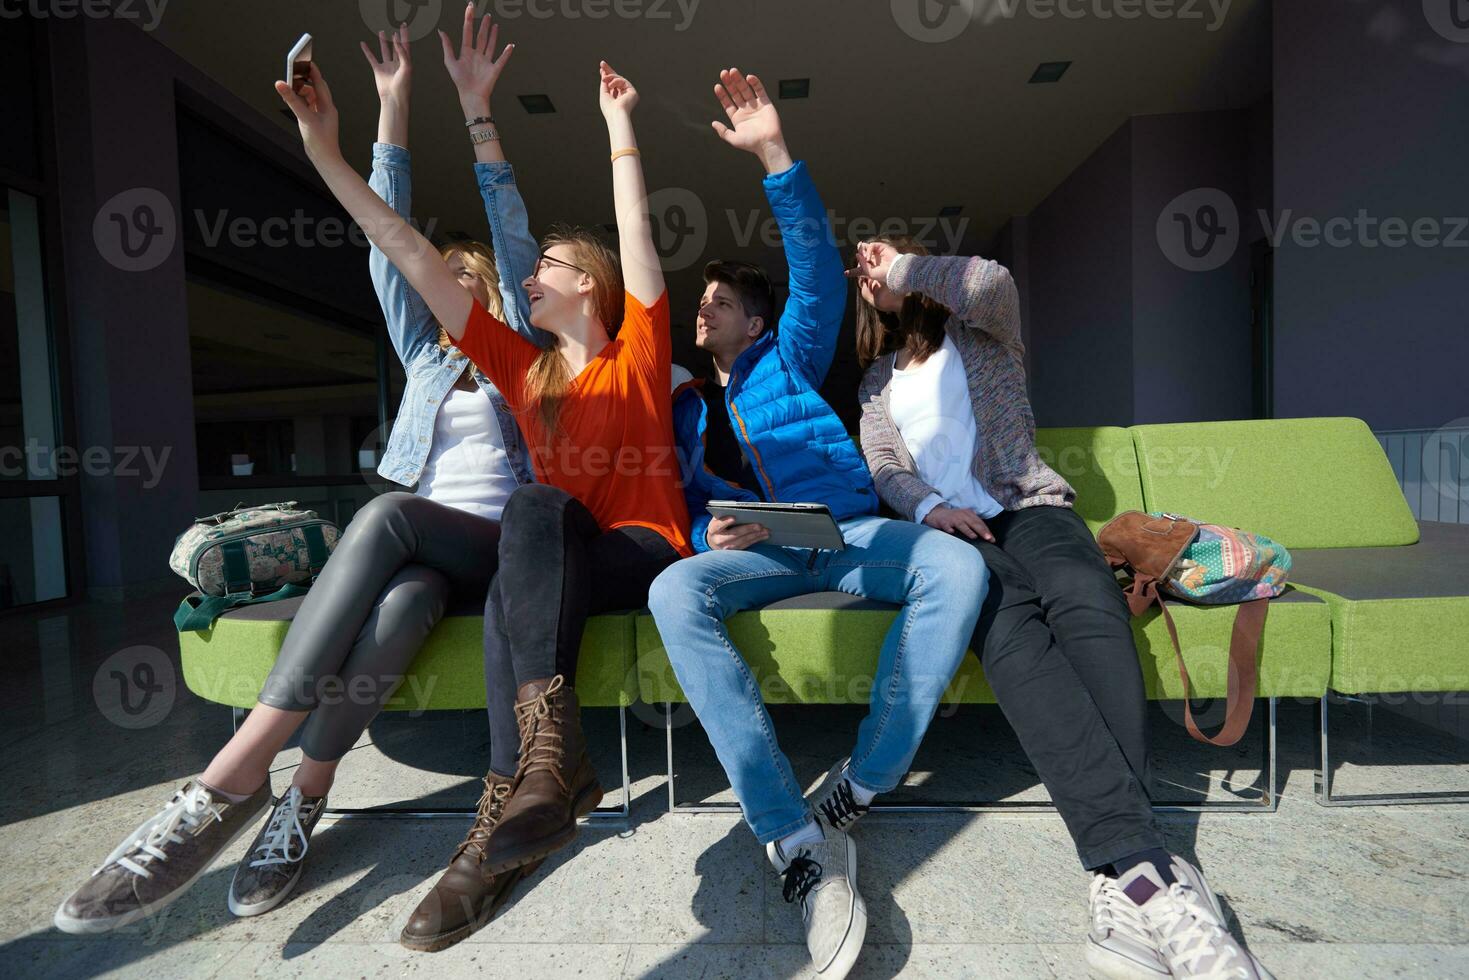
x,y
402,562
1057,648
557,567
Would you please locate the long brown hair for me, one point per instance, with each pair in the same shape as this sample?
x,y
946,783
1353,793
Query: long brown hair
x,y
918,326
478,258
549,377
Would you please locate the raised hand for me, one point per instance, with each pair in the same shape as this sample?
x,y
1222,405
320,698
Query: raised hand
x,y
615,94
754,125
476,68
315,113
874,261
393,69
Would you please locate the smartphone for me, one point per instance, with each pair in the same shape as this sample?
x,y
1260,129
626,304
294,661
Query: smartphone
x,y
298,64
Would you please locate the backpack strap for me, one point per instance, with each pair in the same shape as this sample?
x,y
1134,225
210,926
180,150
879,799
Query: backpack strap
x,y
1244,646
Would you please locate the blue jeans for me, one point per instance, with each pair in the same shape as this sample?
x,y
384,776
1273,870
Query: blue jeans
x,y
939,580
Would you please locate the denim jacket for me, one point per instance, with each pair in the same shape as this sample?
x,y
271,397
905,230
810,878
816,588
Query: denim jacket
x,y
431,370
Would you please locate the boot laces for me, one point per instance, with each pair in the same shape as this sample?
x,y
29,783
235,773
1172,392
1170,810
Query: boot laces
x,y
542,746
487,817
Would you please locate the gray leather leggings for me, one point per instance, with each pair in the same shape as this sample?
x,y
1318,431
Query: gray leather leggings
x,y
403,561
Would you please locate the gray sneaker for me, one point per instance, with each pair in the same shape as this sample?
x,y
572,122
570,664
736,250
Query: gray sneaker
x,y
823,878
160,860
273,865
834,802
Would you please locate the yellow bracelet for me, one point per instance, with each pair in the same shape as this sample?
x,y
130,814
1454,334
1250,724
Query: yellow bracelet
x,y
629,151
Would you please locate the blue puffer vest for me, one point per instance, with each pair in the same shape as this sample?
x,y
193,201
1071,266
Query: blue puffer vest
x,y
799,449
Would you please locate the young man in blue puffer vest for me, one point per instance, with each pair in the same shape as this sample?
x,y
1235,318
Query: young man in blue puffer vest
x,y
760,430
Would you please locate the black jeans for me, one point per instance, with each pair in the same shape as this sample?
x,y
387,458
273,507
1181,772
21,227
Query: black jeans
x,y
1057,648
557,567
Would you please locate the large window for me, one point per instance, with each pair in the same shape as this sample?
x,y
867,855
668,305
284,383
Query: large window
x,y
32,543
277,394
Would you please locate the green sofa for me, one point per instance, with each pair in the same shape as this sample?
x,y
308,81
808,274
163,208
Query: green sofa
x,y
1364,575
1397,588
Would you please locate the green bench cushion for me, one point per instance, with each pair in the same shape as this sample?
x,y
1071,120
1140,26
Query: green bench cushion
x,y
1400,615
822,649
228,664
1100,463
1307,483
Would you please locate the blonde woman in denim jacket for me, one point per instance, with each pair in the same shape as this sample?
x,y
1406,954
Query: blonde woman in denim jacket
x,y
404,560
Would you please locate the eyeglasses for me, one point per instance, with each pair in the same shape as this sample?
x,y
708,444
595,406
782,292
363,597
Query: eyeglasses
x,y
545,260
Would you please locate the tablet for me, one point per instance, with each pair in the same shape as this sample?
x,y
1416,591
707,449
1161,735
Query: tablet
x,y
790,525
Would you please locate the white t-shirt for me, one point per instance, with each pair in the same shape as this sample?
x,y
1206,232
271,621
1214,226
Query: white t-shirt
x,y
930,406
467,466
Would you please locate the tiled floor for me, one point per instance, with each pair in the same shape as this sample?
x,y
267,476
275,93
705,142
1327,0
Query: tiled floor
x,y
1315,892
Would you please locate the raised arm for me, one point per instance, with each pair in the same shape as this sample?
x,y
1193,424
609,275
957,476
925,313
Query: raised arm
x,y
475,70
408,251
642,273
409,322
812,317
979,291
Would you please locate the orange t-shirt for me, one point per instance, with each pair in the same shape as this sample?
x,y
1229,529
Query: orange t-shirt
x,y
614,451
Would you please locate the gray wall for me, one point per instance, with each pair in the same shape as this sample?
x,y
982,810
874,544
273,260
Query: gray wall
x,y
1371,112
1080,292
1191,339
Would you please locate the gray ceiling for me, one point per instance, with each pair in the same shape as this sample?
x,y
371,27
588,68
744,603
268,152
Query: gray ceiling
x,y
894,127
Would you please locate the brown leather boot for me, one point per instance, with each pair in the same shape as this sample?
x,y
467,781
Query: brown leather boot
x,y
468,894
555,782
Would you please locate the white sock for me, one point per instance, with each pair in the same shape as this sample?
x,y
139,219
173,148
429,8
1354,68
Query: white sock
x,y
809,834
860,793
231,797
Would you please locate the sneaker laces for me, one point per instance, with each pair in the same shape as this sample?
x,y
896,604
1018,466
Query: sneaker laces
x,y
1112,909
541,748
840,806
283,830
487,817
801,875
1193,935
188,808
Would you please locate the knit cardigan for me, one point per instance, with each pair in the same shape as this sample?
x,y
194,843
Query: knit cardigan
x,y
985,327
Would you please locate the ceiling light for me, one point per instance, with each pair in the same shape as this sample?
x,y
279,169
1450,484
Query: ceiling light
x,y
1049,71
794,88
537,104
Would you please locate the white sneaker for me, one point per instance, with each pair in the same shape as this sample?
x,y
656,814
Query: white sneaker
x,y
1121,945
833,800
822,876
1191,933
1145,929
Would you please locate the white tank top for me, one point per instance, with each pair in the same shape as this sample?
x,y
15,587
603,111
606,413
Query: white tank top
x,y
467,466
931,407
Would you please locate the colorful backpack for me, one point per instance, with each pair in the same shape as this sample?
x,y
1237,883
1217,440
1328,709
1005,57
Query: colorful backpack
x,y
248,555
1208,564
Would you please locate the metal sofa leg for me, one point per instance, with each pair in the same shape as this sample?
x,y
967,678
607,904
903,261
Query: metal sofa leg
x,y
1326,797
603,815
1269,802
600,816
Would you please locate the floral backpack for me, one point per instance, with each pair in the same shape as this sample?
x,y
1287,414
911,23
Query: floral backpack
x,y
249,555
1207,564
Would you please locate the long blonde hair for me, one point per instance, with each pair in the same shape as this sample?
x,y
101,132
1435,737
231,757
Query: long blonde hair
x,y
478,258
918,326
549,378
